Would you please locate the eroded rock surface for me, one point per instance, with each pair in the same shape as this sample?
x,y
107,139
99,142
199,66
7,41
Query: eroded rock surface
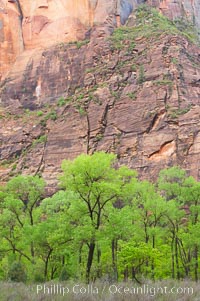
x,y
177,9
141,103
27,25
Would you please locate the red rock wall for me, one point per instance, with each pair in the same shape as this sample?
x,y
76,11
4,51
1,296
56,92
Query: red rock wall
x,y
176,9
11,41
26,24
149,125
36,24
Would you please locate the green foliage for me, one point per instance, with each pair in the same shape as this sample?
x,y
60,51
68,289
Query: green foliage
x,y
150,23
16,272
81,110
14,166
61,102
131,254
187,28
52,115
132,95
120,36
41,139
178,112
27,111
174,60
99,137
163,82
64,275
7,163
141,75
40,113
79,44
97,185
80,97
26,187
115,94
103,222
170,181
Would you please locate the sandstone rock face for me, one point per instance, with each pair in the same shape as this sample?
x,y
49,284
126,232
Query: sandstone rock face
x,y
177,9
60,100
11,41
26,24
150,123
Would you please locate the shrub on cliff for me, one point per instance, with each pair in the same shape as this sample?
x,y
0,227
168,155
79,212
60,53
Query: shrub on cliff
x,y
150,23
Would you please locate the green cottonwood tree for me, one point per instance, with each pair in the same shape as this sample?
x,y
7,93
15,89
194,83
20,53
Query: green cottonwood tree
x,y
191,204
19,200
183,198
97,184
53,233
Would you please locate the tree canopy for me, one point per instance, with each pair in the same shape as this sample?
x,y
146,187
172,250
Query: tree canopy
x,y
102,223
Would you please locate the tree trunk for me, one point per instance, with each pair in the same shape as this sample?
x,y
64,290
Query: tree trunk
x,y
53,270
173,263
126,274
32,250
99,274
152,262
134,275
177,261
90,259
114,259
46,264
196,264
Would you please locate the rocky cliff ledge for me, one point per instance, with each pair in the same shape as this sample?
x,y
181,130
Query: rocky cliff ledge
x,y
135,93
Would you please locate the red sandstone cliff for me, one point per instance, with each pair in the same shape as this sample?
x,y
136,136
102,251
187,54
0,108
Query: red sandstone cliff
x,y
140,102
26,25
